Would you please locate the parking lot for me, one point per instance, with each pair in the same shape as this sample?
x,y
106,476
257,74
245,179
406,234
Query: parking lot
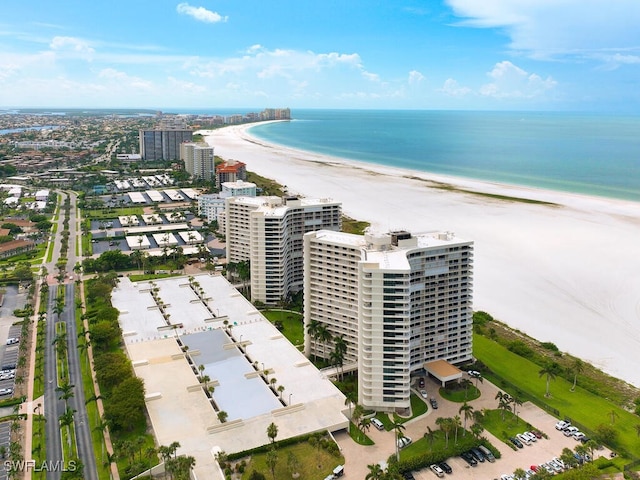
x,y
357,457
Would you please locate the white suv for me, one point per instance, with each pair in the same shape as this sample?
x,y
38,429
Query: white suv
x,y
437,470
561,425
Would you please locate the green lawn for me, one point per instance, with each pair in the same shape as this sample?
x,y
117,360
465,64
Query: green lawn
x,y
581,406
292,323
503,429
460,395
315,464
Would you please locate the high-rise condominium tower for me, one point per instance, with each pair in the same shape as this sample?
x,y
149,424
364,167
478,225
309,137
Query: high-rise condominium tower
x,y
399,301
268,231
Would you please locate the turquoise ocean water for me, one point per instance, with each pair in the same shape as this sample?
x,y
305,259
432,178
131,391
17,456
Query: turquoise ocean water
x,y
582,153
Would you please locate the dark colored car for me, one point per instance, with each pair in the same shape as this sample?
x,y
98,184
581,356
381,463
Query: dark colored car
x,y
408,476
467,457
421,382
537,433
516,442
446,467
434,403
477,454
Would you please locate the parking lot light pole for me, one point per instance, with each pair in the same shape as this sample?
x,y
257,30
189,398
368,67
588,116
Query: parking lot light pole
x,y
290,395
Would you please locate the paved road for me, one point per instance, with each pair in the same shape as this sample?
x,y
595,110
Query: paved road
x,y
54,407
77,402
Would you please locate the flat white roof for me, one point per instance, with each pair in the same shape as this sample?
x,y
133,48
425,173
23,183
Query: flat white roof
x,y
137,242
163,239
173,194
136,197
152,219
191,236
128,220
179,409
189,193
155,195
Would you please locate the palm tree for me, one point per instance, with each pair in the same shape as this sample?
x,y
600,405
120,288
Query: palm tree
x,y
350,398
399,429
576,368
280,390
312,331
504,400
375,472
272,432
455,425
550,369
613,415
467,410
516,403
66,392
324,335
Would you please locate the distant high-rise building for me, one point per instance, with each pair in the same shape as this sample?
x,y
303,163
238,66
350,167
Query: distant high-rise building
x,y
198,160
212,205
399,301
267,232
230,171
163,144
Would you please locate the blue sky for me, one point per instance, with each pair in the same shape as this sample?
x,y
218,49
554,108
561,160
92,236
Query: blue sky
x,y
449,54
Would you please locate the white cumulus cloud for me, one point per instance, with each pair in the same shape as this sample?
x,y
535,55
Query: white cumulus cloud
x,y
200,13
453,89
415,77
511,81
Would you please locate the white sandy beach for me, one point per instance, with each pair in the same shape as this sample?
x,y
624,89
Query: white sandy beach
x,y
569,274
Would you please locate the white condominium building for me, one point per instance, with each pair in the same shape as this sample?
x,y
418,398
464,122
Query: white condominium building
x,y
268,232
198,160
212,205
398,300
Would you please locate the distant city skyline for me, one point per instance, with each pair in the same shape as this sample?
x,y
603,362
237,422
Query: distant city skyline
x,y
446,54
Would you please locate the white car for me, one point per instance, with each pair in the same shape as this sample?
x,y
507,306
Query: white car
x,y
404,442
423,393
12,341
569,431
6,391
561,425
578,435
437,470
523,439
474,373
530,436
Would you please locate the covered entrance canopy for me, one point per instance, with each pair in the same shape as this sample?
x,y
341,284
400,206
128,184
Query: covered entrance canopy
x,y
443,371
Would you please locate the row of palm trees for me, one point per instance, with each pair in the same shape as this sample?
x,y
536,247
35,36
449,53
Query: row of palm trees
x,y
320,333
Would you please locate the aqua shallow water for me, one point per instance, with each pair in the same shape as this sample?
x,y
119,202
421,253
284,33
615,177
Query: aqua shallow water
x,y
582,153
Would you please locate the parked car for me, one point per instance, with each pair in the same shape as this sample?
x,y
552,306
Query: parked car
x,y
421,382
569,431
516,442
474,373
524,439
423,393
562,424
530,436
13,341
408,476
555,466
578,435
548,468
404,442
467,457
446,467
537,433
506,477
437,470
434,403
487,453
477,454
377,423
6,391
559,462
